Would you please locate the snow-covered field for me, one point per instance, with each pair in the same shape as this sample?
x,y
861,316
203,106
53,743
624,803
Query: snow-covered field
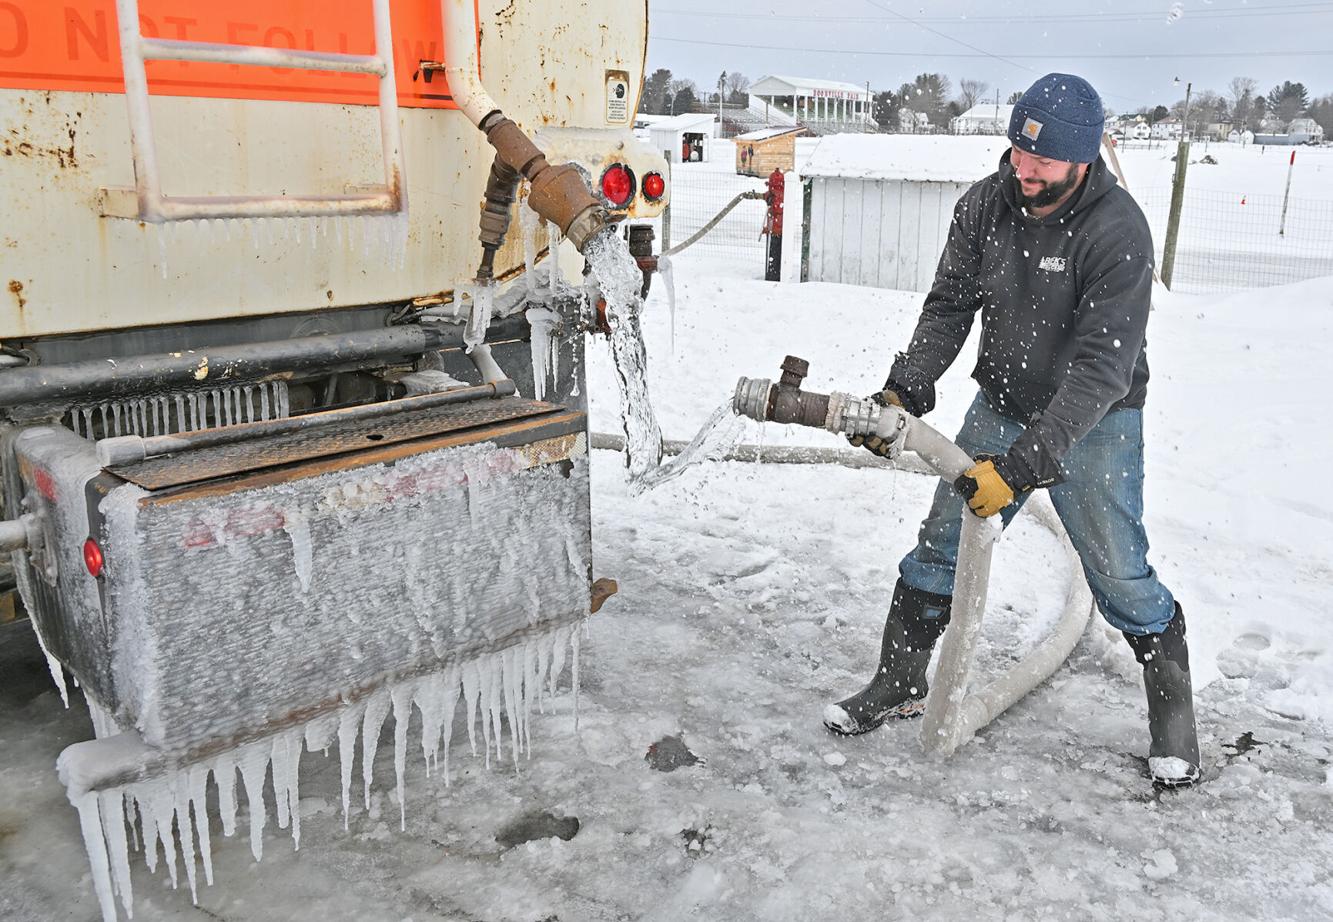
x,y
751,595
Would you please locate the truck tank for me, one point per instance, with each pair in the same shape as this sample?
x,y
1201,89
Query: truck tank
x,y
292,406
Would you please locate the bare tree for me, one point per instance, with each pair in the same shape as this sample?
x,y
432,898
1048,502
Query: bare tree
x,y
738,87
970,92
1241,90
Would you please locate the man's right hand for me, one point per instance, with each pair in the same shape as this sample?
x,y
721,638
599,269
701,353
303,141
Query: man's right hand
x,y
874,443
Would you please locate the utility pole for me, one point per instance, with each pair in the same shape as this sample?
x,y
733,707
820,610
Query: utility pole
x,y
1177,196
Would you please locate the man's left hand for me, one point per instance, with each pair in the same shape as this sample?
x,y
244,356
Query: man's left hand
x,y
984,488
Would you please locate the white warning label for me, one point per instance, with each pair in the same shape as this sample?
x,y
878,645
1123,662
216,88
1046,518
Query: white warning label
x,y
617,97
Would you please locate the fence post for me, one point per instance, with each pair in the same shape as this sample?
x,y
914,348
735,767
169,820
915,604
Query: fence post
x,y
666,212
1173,221
1282,226
807,197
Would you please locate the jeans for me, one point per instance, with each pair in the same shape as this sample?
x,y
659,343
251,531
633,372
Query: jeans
x,y
1100,503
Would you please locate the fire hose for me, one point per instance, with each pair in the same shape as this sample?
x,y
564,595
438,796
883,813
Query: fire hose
x,y
953,714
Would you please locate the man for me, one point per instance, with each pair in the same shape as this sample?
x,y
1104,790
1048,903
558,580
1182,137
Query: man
x,y
1059,261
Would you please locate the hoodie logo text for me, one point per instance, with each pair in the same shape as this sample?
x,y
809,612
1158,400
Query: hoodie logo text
x,y
1052,263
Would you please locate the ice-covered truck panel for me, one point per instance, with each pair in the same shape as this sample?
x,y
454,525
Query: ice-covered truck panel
x,y
68,264
397,547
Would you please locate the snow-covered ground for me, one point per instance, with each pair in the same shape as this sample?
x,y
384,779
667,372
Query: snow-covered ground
x,y
751,595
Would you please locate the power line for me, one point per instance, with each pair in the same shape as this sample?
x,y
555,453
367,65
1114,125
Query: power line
x,y
1237,55
950,38
1322,7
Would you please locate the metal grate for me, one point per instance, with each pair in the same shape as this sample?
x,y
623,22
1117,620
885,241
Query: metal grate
x,y
184,411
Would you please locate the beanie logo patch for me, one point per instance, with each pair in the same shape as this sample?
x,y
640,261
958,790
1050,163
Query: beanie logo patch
x,y
1031,129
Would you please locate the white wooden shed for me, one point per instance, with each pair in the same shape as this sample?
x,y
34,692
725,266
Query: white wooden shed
x,y
679,134
880,205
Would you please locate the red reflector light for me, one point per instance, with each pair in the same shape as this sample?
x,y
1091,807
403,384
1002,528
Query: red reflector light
x,y
654,186
92,557
617,185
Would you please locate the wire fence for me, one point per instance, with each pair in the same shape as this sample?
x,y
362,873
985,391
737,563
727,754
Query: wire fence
x,y
1229,240
698,192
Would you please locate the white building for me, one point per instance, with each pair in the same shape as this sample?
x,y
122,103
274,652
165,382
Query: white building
x,y
983,118
1305,131
818,102
684,137
881,205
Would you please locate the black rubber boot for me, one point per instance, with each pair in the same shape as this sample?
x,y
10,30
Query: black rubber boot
x,y
1173,759
915,622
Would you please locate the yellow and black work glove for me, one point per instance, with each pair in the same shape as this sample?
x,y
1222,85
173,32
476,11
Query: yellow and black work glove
x,y
874,443
994,481
984,488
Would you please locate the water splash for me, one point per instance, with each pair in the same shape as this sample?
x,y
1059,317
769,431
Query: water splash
x,y
620,282
713,442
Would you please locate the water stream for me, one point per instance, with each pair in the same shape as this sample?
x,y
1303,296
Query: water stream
x,y
620,280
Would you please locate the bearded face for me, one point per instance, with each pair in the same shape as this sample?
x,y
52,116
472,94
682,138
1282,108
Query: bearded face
x,y
1040,193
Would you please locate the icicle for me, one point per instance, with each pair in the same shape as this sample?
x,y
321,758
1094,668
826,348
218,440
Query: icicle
x,y
528,221
91,823
52,664
496,703
247,402
281,771
554,261
348,726
199,807
542,322
254,767
112,809
185,827
402,715
558,661
545,651
263,402
284,407
452,680
377,708
157,795
664,269
472,693
181,425
297,527
293,785
430,697
224,775
509,660
529,688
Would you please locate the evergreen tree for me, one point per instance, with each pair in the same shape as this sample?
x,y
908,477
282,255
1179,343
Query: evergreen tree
x,y
654,99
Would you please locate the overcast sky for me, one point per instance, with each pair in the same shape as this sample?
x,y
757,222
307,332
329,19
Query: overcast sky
x,y
1131,51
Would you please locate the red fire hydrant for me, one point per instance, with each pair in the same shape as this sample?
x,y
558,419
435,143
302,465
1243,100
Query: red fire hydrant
x,y
773,226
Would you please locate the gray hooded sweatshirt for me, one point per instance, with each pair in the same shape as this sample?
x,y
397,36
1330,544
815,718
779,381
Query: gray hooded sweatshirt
x,y
1064,306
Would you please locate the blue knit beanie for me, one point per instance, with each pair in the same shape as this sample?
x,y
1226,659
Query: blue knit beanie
x,y
1061,117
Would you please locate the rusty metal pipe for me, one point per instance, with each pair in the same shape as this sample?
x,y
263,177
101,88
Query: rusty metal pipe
x,y
501,192
557,193
135,375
